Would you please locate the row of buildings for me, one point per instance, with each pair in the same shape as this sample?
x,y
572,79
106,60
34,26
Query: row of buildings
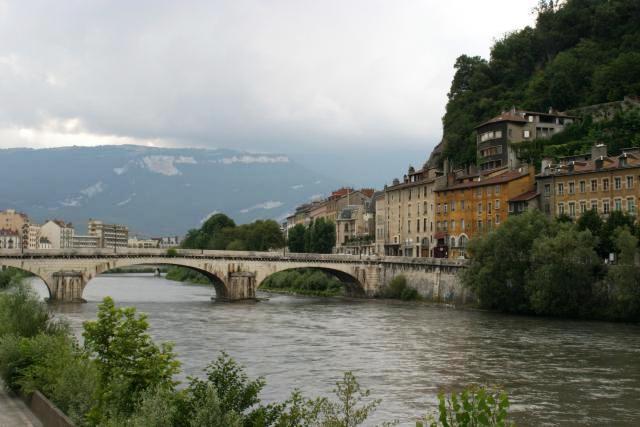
x,y
436,210
17,231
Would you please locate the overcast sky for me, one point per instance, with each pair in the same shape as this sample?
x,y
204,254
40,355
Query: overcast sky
x,y
254,75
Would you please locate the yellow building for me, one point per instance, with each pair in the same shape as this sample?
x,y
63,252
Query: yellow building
x,y
470,205
593,181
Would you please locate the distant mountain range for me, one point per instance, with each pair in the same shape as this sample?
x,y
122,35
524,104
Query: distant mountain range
x,y
155,191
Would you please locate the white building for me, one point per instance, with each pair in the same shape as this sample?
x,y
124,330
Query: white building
x,y
44,243
58,233
109,235
134,242
85,242
167,242
9,239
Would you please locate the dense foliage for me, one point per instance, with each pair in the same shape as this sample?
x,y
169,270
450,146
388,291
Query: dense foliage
x,y
533,265
398,289
10,276
580,52
183,274
220,232
306,281
319,237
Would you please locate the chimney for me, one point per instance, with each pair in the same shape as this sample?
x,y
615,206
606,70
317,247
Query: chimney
x,y
546,166
598,150
598,163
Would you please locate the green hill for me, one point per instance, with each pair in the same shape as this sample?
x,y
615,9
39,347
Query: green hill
x,y
580,52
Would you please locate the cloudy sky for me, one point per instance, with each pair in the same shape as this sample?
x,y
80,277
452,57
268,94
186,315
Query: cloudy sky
x,y
296,76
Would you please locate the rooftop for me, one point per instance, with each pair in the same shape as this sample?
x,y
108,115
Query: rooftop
x,y
499,179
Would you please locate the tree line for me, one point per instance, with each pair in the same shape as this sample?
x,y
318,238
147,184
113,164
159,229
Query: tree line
x,y
220,232
318,237
533,265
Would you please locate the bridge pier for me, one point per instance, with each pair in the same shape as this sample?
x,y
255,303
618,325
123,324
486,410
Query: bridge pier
x,y
67,286
240,286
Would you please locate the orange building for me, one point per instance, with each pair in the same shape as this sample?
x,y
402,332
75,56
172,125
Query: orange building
x,y
470,205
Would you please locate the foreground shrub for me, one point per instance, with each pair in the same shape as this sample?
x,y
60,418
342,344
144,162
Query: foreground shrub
x,y
128,361
399,289
23,314
304,281
474,406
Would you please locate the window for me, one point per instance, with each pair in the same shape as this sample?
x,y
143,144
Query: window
x,y
497,189
479,208
594,205
453,225
497,218
489,208
631,206
605,184
617,203
594,185
582,187
424,208
498,134
438,227
572,188
497,205
461,205
561,189
547,189
572,209
445,206
479,192
630,182
488,191
438,208
417,225
446,225
462,224
617,183
453,206
479,225
560,208
605,207
583,207
424,224
526,134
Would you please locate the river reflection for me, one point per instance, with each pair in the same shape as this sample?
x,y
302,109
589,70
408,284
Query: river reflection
x,y
556,372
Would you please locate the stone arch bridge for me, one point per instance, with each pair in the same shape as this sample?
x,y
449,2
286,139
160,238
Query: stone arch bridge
x,y
235,274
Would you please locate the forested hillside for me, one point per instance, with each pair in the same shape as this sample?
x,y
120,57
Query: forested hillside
x,y
581,52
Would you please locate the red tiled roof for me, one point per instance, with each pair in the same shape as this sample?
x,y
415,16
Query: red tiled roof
x,y
608,163
505,177
525,196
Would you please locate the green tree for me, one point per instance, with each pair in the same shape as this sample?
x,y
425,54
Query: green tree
x,y
564,270
296,238
128,361
352,407
500,262
624,278
322,236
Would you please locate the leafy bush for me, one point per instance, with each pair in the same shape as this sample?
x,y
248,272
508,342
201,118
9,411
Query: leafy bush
x,y
183,274
23,314
399,289
11,276
474,406
128,361
172,252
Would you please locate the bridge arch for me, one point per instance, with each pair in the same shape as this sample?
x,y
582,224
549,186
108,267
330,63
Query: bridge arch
x,y
216,281
46,279
353,286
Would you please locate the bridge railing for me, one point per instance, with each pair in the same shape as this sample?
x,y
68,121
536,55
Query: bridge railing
x,y
198,253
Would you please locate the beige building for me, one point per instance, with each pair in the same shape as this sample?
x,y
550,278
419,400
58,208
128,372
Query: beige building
x,y
380,221
409,214
355,230
85,242
135,242
32,236
109,235
58,233
12,220
595,181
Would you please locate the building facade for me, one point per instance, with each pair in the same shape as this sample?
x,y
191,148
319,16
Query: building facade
x,y
109,235
10,239
58,233
467,206
599,182
497,139
135,242
408,215
85,242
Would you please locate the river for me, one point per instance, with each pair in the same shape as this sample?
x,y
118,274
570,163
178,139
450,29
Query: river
x,y
557,372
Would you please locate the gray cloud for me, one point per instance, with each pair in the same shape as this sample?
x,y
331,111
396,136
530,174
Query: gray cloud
x,y
243,74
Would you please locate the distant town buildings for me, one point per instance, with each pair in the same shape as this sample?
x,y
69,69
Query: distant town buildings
x,y
108,235
58,233
9,239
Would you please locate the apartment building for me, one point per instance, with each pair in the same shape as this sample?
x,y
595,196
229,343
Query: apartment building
x,y
58,233
498,138
85,241
135,242
467,206
109,235
355,229
380,208
408,214
573,185
10,239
